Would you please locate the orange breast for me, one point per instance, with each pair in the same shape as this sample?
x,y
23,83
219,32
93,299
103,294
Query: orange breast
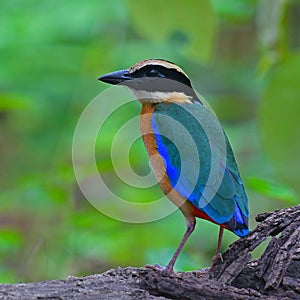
x,y
150,144
157,162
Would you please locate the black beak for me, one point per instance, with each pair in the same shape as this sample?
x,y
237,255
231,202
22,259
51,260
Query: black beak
x,y
117,77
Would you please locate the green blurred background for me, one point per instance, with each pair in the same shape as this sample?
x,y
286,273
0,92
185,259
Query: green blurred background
x,y
243,56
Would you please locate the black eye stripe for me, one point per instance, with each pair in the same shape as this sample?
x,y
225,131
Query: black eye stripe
x,y
162,72
152,73
147,72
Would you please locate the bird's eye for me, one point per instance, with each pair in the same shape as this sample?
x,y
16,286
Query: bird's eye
x,y
152,73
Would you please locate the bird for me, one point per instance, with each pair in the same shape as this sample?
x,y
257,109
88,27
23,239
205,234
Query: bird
x,y
167,99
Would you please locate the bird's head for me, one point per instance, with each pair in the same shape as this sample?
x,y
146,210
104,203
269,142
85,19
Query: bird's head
x,y
155,80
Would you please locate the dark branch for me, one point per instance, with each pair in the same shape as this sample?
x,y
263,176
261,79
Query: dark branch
x,y
275,275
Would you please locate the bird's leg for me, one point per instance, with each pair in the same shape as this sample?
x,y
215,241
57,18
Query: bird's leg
x,y
190,228
190,222
218,255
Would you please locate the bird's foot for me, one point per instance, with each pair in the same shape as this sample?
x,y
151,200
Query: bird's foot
x,y
201,272
216,259
158,267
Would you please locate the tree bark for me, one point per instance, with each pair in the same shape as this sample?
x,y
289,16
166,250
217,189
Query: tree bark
x,y
275,275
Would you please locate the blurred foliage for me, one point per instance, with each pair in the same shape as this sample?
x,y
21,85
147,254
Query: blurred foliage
x,y
187,20
279,116
242,55
272,190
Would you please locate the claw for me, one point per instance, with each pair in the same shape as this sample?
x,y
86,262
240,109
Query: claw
x,y
217,258
160,268
201,272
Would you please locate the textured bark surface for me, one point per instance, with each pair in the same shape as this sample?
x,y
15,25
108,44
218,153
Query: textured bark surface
x,y
276,275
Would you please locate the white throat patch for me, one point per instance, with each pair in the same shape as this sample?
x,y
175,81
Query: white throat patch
x,y
156,97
